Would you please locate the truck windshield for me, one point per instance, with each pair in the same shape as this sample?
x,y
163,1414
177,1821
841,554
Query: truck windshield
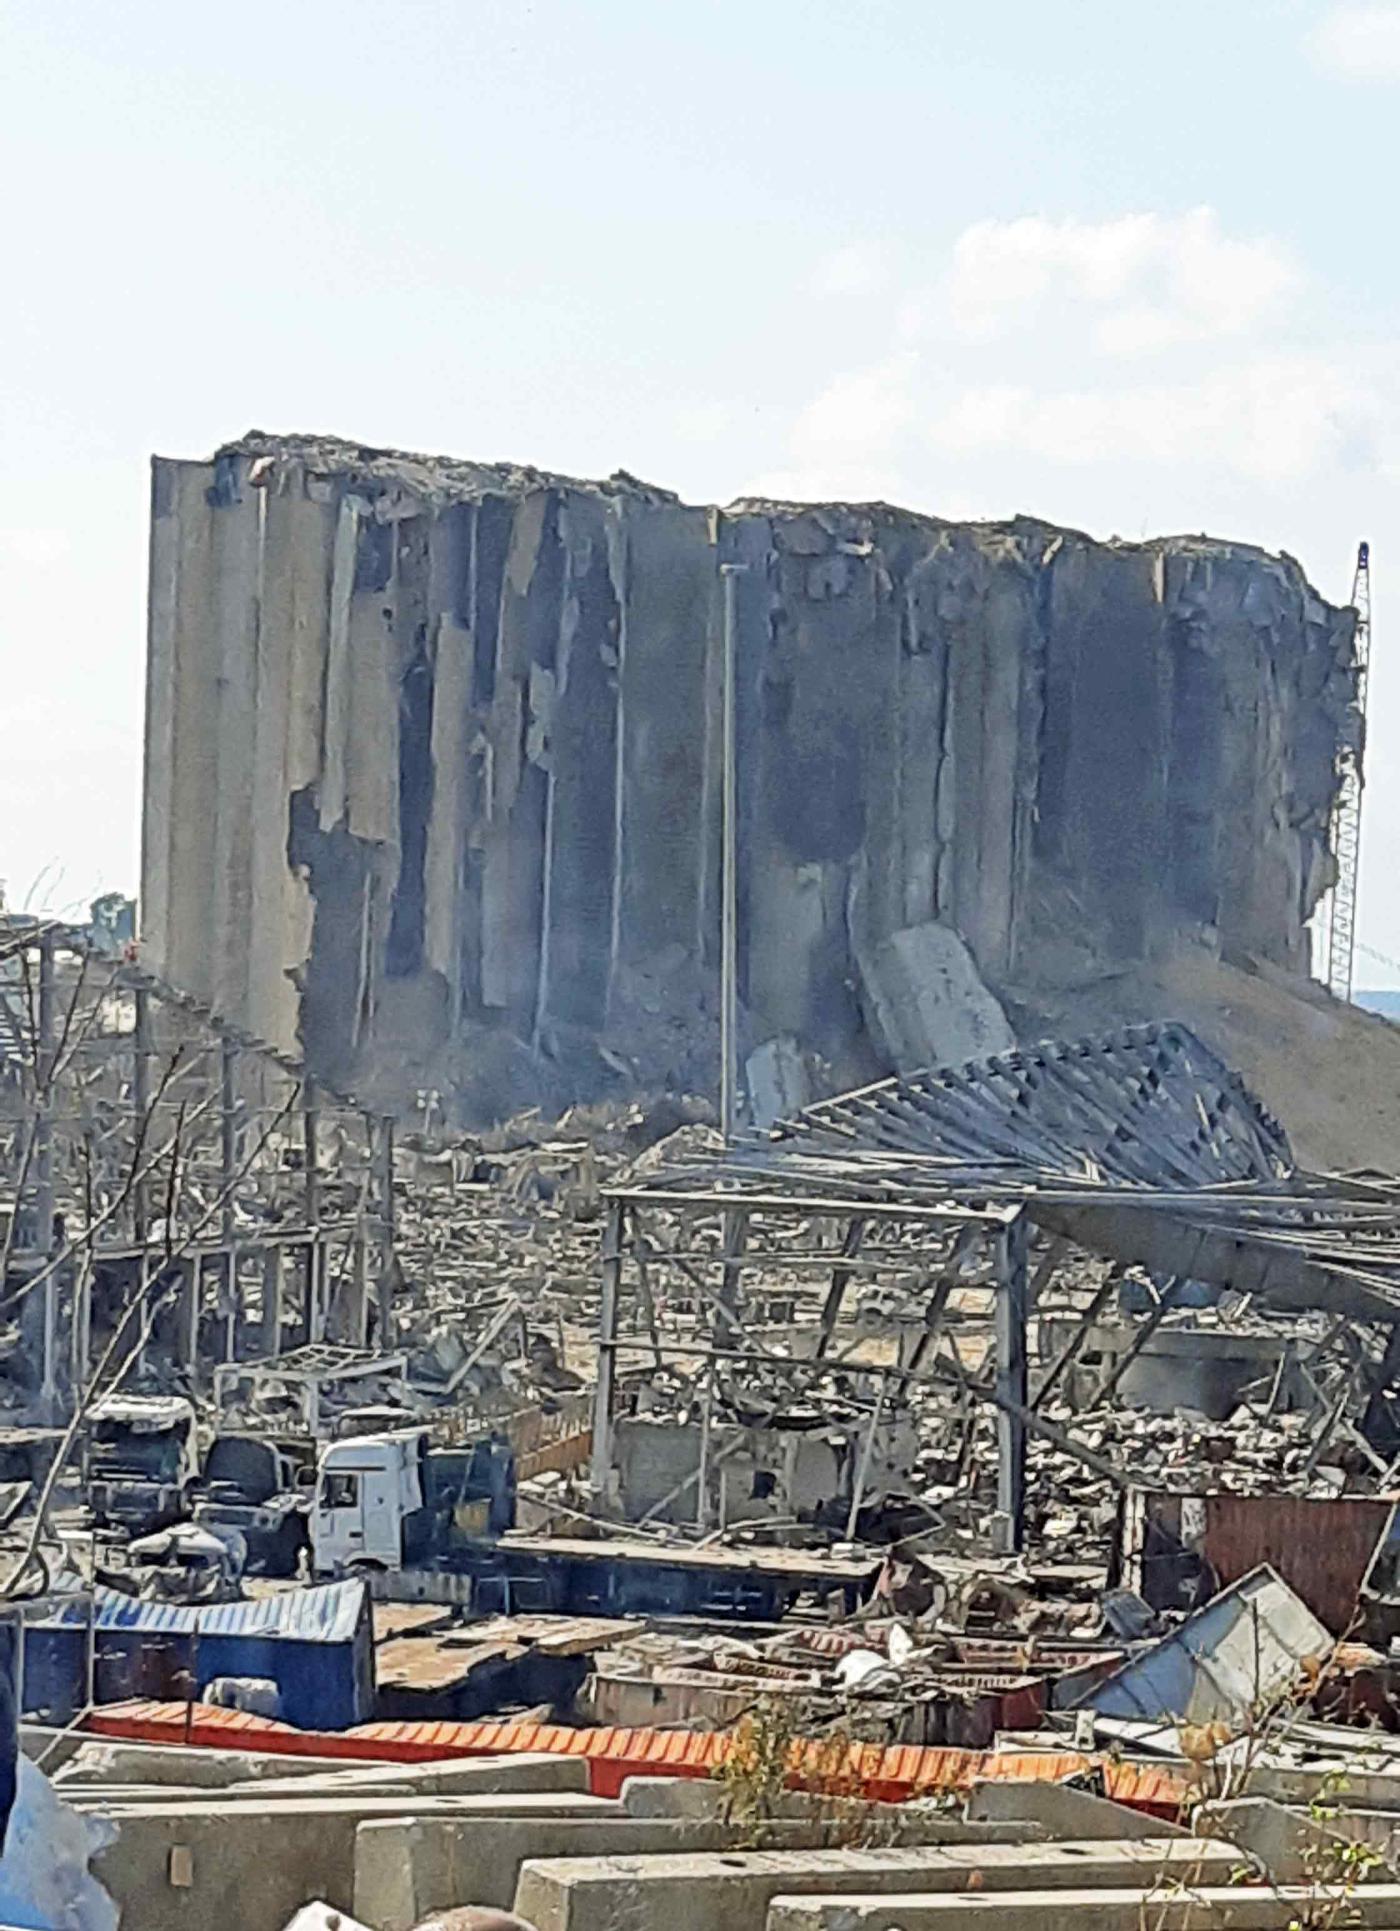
x,y
339,1491
117,1450
248,1467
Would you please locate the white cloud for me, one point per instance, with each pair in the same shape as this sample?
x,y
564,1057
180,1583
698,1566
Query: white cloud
x,y
1154,351
856,269
1273,418
862,412
1150,281
1359,40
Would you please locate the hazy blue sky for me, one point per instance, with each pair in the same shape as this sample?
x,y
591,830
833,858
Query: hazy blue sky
x,y
1128,267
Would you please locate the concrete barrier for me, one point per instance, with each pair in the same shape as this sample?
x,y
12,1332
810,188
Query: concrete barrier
x,y
175,1867
406,1869
733,1892
403,1871
485,1776
1212,1908
99,1760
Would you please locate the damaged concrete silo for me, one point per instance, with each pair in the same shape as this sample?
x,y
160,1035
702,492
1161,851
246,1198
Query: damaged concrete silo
x,y
432,769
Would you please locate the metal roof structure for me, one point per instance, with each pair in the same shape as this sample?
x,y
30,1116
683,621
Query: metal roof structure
x,y
1148,1106
1141,1145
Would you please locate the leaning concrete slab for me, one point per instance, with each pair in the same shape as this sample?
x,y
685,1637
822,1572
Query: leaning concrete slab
x,y
1297,1846
733,1892
480,1776
1160,1908
1059,1811
912,1822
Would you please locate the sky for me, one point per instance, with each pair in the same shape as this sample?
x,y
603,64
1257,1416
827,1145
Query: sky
x,y
1125,268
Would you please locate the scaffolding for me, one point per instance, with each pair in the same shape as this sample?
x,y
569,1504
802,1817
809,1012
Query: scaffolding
x,y
1339,923
172,1194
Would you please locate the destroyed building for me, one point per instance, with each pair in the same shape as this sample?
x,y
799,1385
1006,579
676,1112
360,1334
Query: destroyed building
x,y
433,773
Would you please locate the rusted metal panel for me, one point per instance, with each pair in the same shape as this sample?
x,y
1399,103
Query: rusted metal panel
x,y
1321,1546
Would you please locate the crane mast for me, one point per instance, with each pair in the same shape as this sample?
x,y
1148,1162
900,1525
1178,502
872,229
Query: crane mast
x,y
1339,930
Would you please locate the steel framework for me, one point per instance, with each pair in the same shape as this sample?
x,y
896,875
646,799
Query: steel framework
x,y
1339,925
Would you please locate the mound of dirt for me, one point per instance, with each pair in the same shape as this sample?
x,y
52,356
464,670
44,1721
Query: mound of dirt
x,y
1329,1072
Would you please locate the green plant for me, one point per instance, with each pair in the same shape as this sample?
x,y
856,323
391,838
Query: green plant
x,y
772,1753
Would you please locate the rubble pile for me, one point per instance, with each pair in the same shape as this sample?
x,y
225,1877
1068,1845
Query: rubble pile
x,y
905,1473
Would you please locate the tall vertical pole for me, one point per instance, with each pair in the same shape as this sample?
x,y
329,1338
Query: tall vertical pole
x,y
311,1123
863,1460
272,1291
384,1161
1012,1308
82,1325
45,1049
228,1163
600,1475
143,1131
729,895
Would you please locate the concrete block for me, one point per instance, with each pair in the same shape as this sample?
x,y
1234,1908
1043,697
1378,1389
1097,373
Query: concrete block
x,y
481,1776
1148,1908
1063,1812
403,1870
733,1892
444,1775
775,1076
926,1002
406,1869
1295,1847
699,1798
279,1853
108,1760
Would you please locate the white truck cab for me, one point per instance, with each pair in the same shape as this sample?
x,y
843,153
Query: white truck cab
x,y
367,1489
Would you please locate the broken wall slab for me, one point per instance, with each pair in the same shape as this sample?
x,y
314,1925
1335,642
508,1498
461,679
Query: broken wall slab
x,y
925,1002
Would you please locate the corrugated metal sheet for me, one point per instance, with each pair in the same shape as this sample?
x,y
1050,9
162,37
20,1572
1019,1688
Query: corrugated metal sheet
x,y
327,1613
1225,1663
890,1774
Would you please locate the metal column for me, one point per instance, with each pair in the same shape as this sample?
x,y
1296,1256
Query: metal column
x,y
44,1068
600,1476
272,1291
141,1106
729,893
1012,1307
228,1164
311,1122
384,1282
